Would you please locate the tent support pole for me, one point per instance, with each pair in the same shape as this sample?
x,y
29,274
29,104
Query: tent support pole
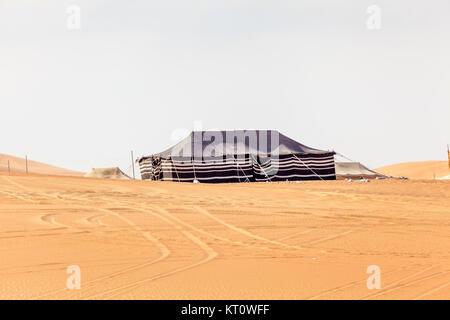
x,y
237,165
132,164
268,179
173,164
193,168
308,167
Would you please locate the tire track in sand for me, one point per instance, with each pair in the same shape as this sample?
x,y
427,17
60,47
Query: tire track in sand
x,y
206,233
434,275
348,285
147,235
397,284
431,291
165,252
14,195
22,187
210,255
96,220
331,237
243,231
293,235
50,218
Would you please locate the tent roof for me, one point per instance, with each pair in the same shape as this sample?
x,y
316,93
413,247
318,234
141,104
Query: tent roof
x,y
354,169
108,173
238,142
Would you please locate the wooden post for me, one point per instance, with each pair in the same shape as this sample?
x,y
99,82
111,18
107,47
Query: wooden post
x,y
26,164
132,163
448,154
9,169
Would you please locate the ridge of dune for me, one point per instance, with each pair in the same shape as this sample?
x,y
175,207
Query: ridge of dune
x,y
17,165
416,170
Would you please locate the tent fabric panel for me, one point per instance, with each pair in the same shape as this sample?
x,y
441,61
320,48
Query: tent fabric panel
x,y
288,167
355,170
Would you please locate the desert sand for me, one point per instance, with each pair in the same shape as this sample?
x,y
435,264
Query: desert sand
x,y
416,170
162,240
17,166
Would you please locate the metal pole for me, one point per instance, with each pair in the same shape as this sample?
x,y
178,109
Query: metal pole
x,y
9,169
132,164
26,164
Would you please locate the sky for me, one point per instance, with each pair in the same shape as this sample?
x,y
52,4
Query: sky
x,y
138,75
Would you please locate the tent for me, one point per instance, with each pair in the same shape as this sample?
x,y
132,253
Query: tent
x,y
355,170
238,156
445,178
108,173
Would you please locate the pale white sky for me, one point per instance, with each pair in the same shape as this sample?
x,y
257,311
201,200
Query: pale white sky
x,y
139,70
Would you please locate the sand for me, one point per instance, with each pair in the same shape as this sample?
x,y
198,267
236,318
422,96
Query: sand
x,y
416,170
17,166
162,240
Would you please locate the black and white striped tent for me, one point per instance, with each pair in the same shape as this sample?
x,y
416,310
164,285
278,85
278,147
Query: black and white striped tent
x,y
238,156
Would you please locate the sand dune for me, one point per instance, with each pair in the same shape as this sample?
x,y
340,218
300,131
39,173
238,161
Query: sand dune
x,y
417,170
17,166
157,240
